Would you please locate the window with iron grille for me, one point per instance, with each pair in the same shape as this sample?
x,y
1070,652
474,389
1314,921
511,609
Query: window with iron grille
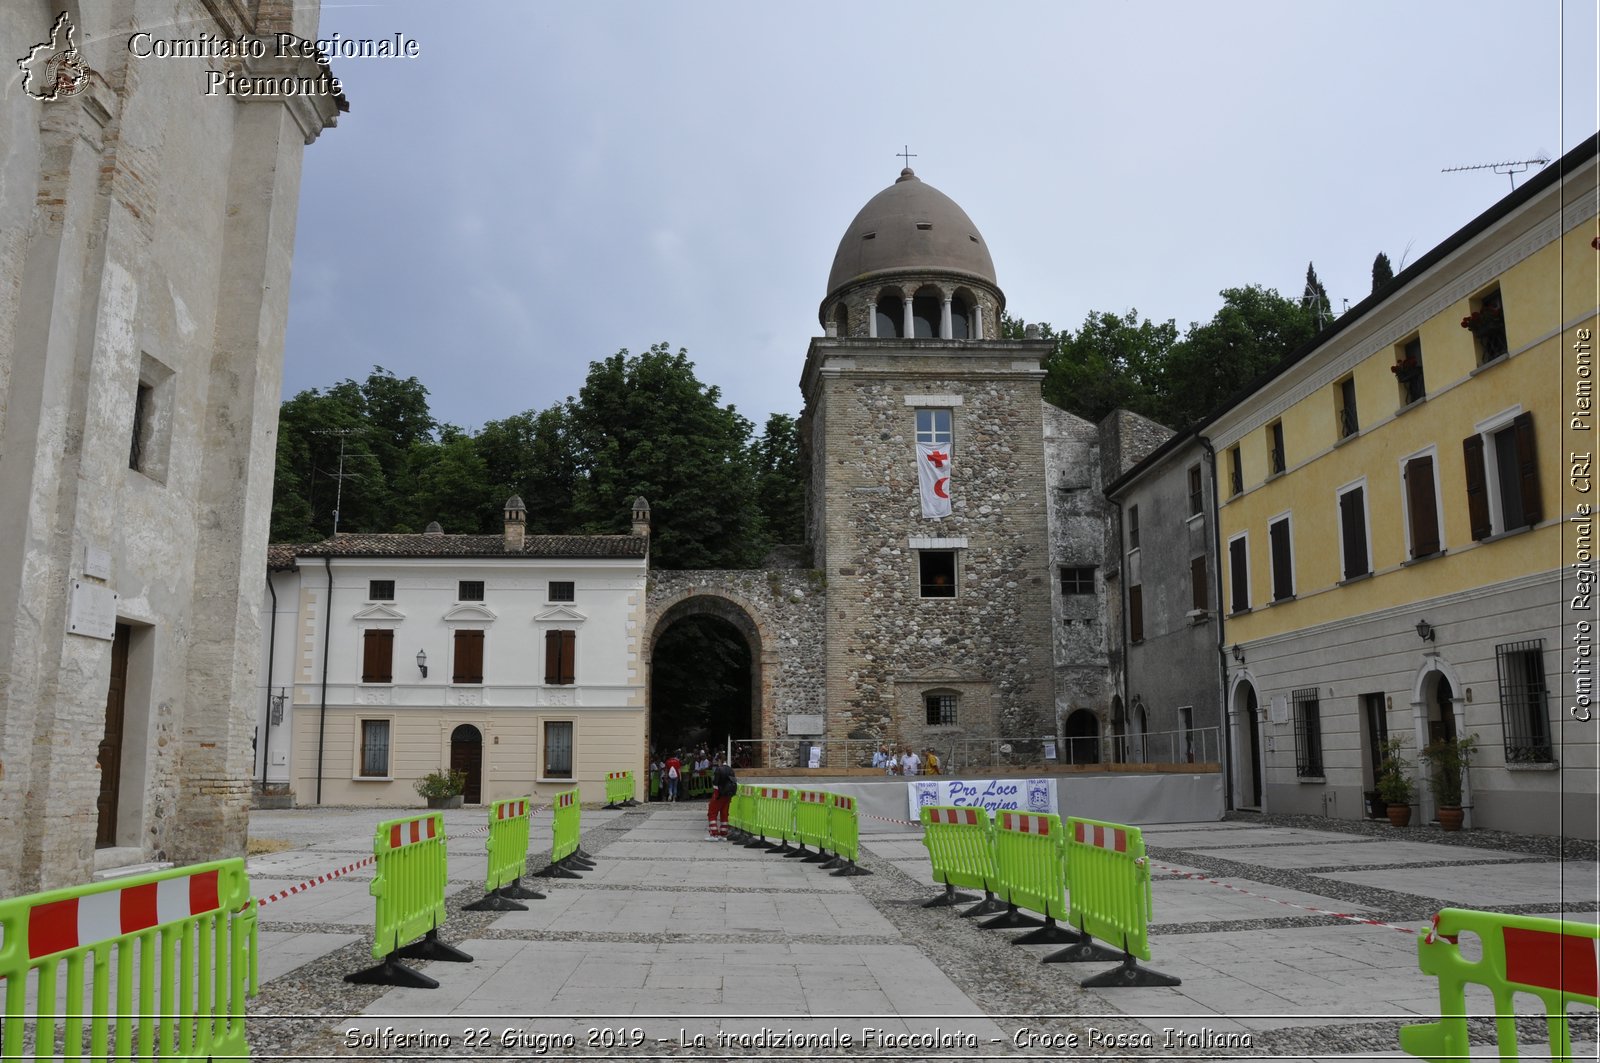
x,y
563,591
1522,702
1196,491
1235,471
941,709
380,590
558,749
374,749
1277,461
1307,733
1078,579
469,590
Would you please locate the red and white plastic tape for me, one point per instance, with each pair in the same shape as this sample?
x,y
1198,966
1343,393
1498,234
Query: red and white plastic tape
x,y
1286,904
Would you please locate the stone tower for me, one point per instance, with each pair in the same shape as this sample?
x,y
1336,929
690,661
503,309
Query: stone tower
x,y
938,627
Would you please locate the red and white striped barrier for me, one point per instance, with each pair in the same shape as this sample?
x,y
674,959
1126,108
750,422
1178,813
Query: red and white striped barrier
x,y
1023,823
77,922
957,816
1116,839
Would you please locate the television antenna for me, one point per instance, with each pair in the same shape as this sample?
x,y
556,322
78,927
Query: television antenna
x,y
1510,169
341,476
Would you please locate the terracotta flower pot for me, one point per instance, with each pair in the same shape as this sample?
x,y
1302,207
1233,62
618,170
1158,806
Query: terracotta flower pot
x,y
1450,818
1399,815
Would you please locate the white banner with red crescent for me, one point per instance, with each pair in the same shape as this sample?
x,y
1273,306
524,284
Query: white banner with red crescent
x,y
933,477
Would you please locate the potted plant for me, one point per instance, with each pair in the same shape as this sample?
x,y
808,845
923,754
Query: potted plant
x,y
1447,764
443,789
1394,781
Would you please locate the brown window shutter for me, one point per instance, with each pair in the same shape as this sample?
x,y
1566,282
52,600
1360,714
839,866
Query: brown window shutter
x,y
377,656
1354,524
1527,469
1282,577
1197,582
1136,614
1477,488
569,653
559,655
1240,578
1420,503
469,657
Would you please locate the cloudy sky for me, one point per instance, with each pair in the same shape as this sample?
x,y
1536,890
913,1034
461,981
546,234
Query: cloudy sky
x,y
550,182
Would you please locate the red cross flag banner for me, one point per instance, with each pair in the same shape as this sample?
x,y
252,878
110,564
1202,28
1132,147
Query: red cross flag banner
x,y
933,477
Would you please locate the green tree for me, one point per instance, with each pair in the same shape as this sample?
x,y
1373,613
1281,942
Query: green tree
x,y
645,425
1111,362
780,480
450,484
1253,330
533,455
1314,300
1382,271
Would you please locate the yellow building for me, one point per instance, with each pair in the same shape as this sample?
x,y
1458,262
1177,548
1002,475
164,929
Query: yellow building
x,y
1404,529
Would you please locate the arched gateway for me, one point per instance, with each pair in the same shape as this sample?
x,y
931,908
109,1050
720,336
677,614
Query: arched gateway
x,y
779,615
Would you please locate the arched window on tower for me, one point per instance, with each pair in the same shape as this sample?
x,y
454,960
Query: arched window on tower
x,y
961,315
926,309
890,314
841,321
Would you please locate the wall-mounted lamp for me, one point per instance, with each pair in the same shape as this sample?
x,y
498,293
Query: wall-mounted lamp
x,y
1424,631
422,663
1238,653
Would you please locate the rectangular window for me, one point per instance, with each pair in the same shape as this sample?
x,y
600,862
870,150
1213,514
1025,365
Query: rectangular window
x,y
1353,532
933,426
469,657
1307,734
1523,702
1502,478
1487,323
1077,580
1345,406
937,573
142,404
380,590
1235,471
374,749
1407,370
377,655
469,590
1282,555
557,749
563,591
1239,574
1422,507
1277,460
941,709
1199,586
560,657
1133,527
1196,491
1136,613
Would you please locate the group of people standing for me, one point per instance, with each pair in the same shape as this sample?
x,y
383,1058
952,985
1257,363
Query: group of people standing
x,y
907,761
724,784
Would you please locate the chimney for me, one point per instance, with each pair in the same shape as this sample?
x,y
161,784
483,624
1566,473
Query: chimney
x,y
433,528
641,516
516,521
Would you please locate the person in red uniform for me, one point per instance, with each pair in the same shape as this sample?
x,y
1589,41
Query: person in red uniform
x,y
723,787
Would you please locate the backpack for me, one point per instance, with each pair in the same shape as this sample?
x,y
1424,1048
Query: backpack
x,y
728,786
672,772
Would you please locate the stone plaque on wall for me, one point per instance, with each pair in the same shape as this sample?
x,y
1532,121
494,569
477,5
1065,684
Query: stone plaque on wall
x,y
805,724
92,611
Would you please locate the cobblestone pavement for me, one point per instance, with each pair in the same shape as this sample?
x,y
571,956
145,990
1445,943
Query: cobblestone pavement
x,y
1293,937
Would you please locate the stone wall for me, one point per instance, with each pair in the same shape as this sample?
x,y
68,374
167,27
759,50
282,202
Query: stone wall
x,y
148,233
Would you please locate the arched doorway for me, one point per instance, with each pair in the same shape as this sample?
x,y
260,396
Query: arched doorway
x,y
1247,751
466,755
1083,737
706,679
1119,730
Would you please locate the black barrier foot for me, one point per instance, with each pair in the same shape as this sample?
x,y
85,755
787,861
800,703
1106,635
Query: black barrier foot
x,y
1010,919
431,948
494,902
1084,951
781,847
392,972
850,870
1130,974
581,855
756,843
612,806
578,863
801,853
819,858
518,892
1049,934
988,906
949,898
556,871
830,863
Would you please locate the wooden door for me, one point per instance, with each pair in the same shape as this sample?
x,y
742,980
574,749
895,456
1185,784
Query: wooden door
x,y
110,754
466,755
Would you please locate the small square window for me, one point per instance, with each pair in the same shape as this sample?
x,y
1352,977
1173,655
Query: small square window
x,y
937,572
941,709
1196,491
470,590
1133,527
380,590
1077,580
933,426
563,591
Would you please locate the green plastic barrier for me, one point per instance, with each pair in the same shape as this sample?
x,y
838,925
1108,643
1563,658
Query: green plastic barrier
x,y
844,834
960,848
775,815
619,788
507,845
194,932
409,887
1027,860
564,825
811,819
739,807
655,785
1108,881
1549,959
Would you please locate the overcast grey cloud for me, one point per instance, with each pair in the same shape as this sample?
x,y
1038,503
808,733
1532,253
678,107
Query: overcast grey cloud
x,y
550,182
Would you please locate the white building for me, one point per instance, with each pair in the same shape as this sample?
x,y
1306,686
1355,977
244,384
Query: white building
x,y
516,659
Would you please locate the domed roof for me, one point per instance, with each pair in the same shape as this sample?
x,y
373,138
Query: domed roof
x,y
910,225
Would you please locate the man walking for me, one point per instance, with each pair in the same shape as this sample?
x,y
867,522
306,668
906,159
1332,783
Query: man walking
x,y
674,769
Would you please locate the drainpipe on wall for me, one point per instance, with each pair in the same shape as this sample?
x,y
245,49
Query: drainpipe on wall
x,y
272,642
327,630
1222,641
